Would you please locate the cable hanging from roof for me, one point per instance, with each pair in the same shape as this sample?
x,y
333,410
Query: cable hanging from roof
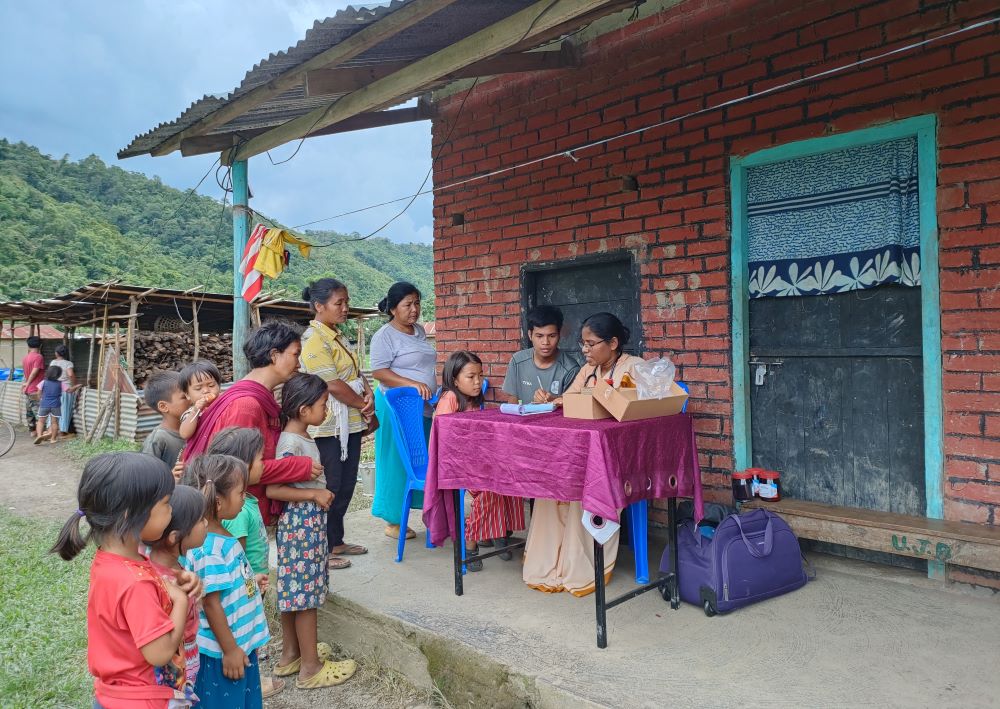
x,y
570,152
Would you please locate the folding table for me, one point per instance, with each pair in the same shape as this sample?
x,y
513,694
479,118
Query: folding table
x,y
605,465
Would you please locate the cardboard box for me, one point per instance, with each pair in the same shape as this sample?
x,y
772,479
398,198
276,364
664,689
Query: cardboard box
x,y
625,404
583,406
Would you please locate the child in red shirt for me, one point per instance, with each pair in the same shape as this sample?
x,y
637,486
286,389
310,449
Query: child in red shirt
x,y
135,620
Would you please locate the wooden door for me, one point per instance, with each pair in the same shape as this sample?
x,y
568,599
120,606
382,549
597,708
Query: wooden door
x,y
836,399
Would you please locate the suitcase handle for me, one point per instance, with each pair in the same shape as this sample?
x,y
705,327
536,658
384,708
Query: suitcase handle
x,y
768,537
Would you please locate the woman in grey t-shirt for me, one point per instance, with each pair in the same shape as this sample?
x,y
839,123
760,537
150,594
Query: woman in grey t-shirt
x,y
401,356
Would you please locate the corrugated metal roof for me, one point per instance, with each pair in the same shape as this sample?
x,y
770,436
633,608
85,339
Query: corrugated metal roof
x,y
215,310
443,28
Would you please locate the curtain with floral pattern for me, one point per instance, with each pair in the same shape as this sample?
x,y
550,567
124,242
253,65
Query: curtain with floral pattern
x,y
840,221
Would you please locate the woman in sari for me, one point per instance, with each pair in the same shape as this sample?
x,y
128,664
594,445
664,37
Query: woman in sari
x,y
559,554
401,356
273,352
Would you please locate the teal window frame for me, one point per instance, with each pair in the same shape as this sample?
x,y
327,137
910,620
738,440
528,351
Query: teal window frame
x,y
924,128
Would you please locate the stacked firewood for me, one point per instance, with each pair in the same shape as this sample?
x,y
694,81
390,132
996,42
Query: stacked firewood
x,y
159,351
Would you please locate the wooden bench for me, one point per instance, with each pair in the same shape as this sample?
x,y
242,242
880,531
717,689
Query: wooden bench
x,y
959,543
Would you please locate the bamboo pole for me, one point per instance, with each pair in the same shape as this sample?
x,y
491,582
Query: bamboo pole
x,y
83,409
133,310
116,390
90,357
100,365
197,335
13,353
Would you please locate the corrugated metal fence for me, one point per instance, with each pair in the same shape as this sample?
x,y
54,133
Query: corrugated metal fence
x,y
137,420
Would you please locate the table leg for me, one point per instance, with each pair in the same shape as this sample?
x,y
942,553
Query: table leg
x,y
602,611
675,586
458,542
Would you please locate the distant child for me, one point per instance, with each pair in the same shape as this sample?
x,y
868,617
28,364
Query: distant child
x,y
493,516
302,542
135,619
186,531
247,445
232,621
163,393
50,405
201,382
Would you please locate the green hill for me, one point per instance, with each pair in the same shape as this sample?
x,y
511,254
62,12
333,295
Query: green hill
x,y
64,224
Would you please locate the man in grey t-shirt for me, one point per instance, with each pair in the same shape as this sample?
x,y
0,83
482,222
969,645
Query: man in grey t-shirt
x,y
543,372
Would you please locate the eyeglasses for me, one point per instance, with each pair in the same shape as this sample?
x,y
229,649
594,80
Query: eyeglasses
x,y
589,345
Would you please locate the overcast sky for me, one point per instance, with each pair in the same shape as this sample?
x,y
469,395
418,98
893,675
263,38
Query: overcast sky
x,y
85,78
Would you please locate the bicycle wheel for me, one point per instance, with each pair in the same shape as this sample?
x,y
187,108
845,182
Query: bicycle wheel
x,y
6,437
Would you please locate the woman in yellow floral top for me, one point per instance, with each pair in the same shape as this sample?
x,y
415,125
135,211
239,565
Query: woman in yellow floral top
x,y
328,354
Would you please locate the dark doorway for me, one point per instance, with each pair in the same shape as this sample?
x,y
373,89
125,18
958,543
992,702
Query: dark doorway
x,y
582,287
836,397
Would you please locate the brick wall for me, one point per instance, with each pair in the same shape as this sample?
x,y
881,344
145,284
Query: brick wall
x,y
677,224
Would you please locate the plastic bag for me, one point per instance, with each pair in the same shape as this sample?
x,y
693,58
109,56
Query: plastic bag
x,y
654,378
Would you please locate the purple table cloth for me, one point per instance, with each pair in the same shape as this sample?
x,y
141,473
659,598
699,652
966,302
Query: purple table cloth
x,y
606,465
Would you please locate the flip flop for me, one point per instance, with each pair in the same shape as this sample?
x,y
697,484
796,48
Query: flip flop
x,y
338,562
351,550
324,651
330,675
410,534
269,686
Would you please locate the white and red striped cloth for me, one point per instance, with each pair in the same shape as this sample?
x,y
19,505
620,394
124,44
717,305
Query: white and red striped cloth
x,y
493,516
252,279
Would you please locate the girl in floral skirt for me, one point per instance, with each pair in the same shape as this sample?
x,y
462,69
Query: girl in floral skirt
x,y
302,543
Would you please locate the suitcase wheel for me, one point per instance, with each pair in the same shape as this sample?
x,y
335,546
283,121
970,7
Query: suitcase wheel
x,y
667,591
709,608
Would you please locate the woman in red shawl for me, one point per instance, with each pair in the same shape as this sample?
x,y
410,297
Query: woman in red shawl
x,y
273,352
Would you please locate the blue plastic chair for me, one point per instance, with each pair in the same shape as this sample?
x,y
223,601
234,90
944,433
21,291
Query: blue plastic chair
x,y
637,522
406,410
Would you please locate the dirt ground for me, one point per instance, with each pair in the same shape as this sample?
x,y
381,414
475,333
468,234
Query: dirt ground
x,y
40,482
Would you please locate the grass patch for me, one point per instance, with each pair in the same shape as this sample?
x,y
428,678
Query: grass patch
x,y
79,449
368,450
43,619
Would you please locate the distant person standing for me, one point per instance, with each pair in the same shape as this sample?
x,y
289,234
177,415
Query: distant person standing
x,y
541,373
69,387
33,365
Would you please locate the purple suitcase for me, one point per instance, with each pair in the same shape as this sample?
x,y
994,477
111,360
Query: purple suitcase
x,y
752,556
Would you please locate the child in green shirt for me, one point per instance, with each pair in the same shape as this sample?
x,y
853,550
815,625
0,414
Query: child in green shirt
x,y
246,444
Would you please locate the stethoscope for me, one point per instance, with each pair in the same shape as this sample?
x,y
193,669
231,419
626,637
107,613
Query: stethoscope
x,y
593,375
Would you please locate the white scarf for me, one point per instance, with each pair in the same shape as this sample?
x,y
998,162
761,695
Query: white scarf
x,y
343,414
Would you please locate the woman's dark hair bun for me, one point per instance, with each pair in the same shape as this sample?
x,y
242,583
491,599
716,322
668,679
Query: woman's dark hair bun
x,y
305,294
397,291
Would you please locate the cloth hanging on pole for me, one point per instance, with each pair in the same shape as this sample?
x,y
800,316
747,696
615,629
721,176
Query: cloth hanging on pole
x,y
265,255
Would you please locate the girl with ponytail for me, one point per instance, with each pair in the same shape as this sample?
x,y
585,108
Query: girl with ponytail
x,y
135,618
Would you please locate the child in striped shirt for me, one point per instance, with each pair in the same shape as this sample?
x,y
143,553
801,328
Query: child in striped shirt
x,y
232,622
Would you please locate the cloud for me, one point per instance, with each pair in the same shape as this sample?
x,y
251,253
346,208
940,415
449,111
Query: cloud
x,y
114,69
